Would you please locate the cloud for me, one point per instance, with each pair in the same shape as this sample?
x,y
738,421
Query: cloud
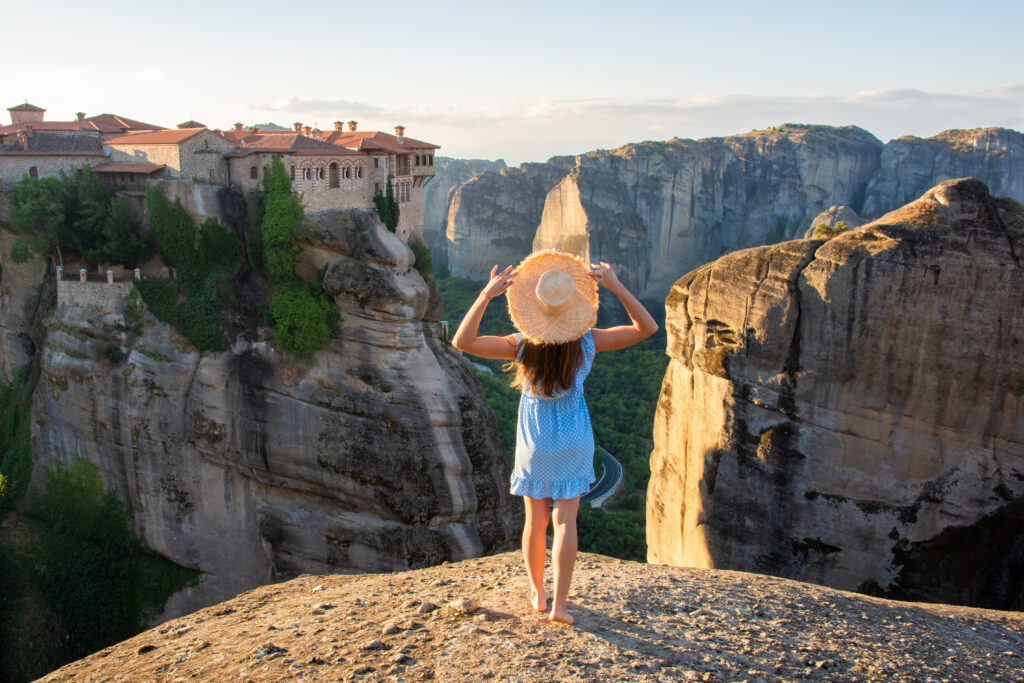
x,y
315,106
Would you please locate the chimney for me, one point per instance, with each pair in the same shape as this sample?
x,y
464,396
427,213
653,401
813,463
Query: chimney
x,y
400,134
352,126
238,128
298,126
81,119
338,125
306,130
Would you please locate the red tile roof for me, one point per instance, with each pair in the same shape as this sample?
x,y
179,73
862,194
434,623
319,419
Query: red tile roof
x,y
373,140
286,142
55,144
25,107
106,124
191,123
156,137
128,168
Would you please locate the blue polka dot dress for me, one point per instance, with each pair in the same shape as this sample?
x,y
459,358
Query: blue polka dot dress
x,y
554,439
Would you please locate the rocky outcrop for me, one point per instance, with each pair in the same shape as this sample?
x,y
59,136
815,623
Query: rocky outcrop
x,y
378,454
910,165
659,209
851,412
448,174
634,622
492,218
833,215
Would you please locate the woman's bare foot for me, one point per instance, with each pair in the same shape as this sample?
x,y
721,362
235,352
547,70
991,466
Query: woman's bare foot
x,y
539,600
561,617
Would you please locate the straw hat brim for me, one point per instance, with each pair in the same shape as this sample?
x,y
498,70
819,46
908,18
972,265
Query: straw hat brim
x,y
529,315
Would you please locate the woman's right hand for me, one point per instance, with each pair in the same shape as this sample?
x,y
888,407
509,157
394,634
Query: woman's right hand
x,y
499,281
605,276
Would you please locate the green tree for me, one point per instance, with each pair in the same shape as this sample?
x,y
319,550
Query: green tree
x,y
824,231
387,207
76,211
302,312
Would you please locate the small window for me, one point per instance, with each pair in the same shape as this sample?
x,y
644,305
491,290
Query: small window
x,y
254,173
319,172
376,188
293,171
431,158
34,173
206,144
359,171
305,174
333,175
376,163
346,172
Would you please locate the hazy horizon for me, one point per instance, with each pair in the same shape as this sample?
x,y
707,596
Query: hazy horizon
x,y
531,81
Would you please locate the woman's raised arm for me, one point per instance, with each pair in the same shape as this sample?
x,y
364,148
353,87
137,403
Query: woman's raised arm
x,y
624,335
465,339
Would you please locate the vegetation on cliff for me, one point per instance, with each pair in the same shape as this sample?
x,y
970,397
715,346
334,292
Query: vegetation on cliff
x,y
75,212
78,581
15,438
302,312
198,303
387,207
622,394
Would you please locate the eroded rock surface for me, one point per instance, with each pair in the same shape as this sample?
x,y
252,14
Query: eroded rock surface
x,y
851,412
659,209
635,622
380,454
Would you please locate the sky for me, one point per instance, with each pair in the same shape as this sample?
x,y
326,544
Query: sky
x,y
526,80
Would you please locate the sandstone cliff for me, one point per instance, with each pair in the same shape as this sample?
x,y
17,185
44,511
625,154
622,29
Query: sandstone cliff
x,y
448,174
635,622
380,454
660,209
851,412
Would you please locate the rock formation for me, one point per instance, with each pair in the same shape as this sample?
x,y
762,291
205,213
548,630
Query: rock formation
x,y
635,622
448,174
493,216
660,209
851,412
380,454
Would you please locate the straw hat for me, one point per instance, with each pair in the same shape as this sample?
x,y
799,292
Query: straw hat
x,y
553,298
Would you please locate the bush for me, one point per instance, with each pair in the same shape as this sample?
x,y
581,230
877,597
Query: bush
x,y
301,312
203,261
15,439
824,231
387,207
101,585
424,263
77,211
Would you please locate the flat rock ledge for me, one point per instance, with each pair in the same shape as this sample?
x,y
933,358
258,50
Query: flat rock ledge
x,y
470,621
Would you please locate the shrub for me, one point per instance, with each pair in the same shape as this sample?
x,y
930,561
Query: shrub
x,y
99,582
824,231
387,207
301,312
15,438
424,262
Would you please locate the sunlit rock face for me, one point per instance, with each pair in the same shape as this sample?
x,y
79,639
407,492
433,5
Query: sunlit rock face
x,y
448,174
851,412
657,210
378,454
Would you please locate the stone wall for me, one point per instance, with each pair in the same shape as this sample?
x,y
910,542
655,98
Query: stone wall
x,y
102,297
13,167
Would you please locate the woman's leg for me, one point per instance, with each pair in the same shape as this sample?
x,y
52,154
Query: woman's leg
x,y
535,548
563,555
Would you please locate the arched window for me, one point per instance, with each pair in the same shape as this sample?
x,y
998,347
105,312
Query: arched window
x,y
345,173
319,172
293,171
332,172
359,171
254,173
34,173
305,174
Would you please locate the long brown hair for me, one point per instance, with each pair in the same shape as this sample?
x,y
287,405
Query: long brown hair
x,y
546,368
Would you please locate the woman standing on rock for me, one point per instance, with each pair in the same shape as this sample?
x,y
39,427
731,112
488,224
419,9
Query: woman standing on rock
x,y
552,300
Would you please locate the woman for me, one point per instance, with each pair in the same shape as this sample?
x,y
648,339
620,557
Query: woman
x,y
552,299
